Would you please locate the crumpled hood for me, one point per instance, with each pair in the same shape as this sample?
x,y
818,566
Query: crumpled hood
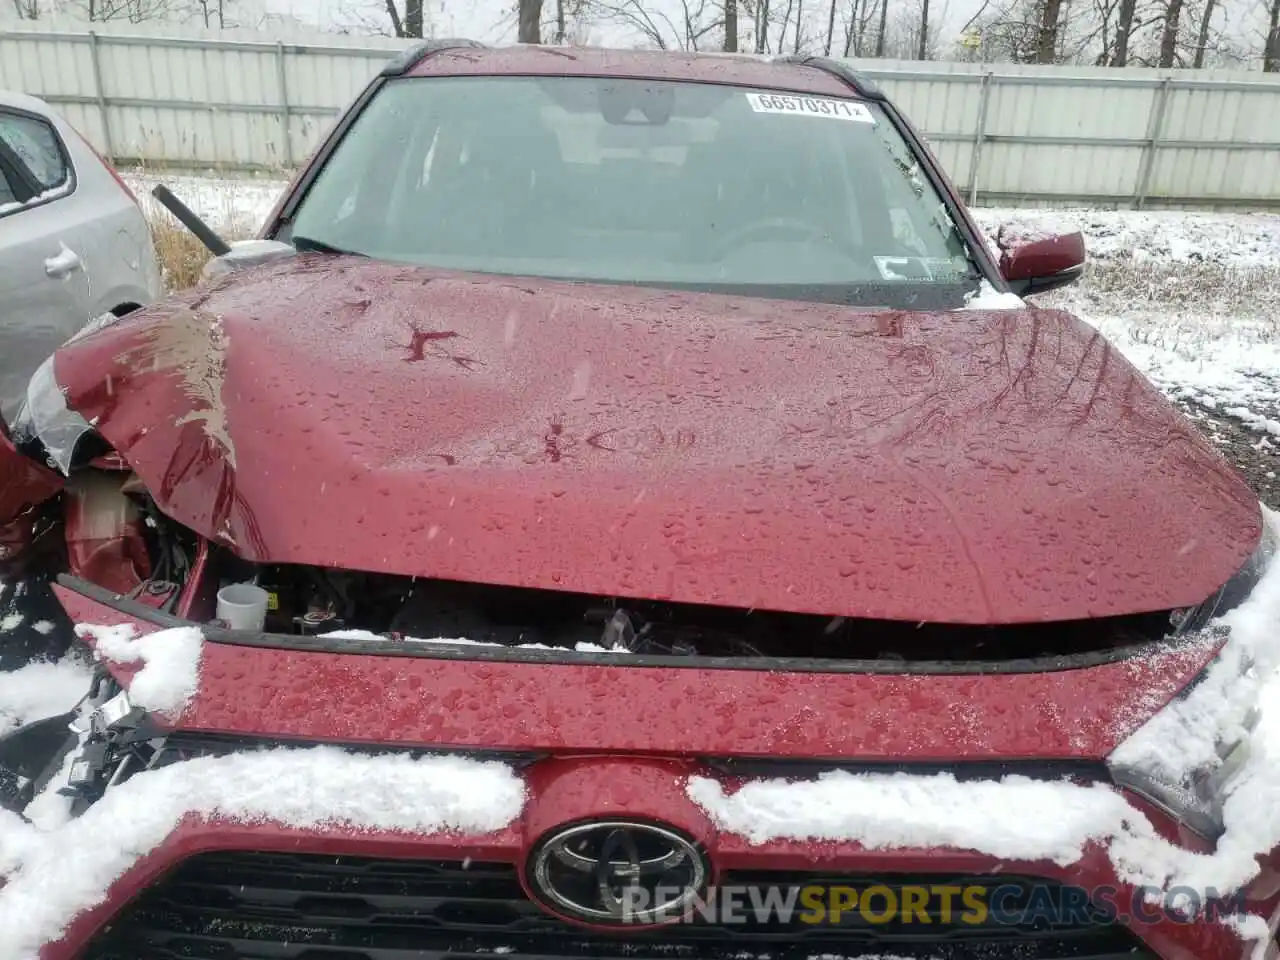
x,y
966,467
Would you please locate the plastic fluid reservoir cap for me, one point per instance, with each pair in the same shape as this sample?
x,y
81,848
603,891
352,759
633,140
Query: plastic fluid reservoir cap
x,y
242,606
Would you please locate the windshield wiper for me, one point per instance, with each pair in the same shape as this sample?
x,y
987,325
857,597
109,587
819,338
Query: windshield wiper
x,y
307,244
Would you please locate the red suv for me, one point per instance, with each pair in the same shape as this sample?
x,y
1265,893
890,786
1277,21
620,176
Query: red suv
x,y
622,508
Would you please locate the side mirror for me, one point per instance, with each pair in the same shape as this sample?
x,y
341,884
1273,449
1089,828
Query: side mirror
x,y
242,254
1033,260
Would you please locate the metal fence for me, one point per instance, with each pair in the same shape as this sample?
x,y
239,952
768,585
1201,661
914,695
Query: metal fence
x,y
1005,133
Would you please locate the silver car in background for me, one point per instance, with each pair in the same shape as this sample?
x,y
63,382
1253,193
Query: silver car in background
x,y
74,243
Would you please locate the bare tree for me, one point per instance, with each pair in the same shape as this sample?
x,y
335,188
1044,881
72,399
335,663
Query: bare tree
x,y
413,18
1103,10
786,20
410,23
697,25
132,11
212,14
27,9
1271,49
654,26
871,10
1124,32
1202,38
731,25
907,36
1047,38
762,26
397,24
858,24
1033,31
1169,33
1011,32
529,16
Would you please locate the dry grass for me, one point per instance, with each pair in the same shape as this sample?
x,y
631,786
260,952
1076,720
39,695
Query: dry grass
x,y
181,255
1161,294
233,207
1177,308
1206,286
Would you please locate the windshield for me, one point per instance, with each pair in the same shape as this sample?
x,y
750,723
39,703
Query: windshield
x,y
685,185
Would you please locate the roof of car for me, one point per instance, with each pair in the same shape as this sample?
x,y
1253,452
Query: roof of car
x,y
735,69
21,101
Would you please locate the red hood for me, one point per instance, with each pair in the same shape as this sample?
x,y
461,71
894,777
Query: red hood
x,y
968,467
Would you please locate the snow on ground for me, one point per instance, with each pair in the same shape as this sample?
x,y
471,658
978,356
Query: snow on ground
x,y
48,876
42,689
1232,239
1193,301
238,206
1220,365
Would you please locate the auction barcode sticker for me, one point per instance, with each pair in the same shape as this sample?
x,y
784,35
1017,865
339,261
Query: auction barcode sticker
x,y
810,106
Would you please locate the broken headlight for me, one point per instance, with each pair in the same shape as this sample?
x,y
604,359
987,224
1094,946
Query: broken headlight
x,y
1186,758
45,419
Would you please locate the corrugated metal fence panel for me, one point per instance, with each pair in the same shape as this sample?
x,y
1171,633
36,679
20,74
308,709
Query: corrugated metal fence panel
x,y
216,87
1027,124
320,85
244,99
57,69
1086,134
1237,116
944,110
178,96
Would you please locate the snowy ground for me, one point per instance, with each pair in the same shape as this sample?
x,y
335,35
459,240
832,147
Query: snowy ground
x,y
233,205
1193,301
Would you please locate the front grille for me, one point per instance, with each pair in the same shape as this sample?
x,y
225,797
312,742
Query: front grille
x,y
257,906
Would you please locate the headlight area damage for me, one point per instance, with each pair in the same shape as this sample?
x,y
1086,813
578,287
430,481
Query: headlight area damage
x,y
1210,758
123,782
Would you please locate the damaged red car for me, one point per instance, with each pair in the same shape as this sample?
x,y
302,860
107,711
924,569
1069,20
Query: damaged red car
x,y
660,431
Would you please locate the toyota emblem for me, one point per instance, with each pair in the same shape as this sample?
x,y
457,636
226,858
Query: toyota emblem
x,y
618,873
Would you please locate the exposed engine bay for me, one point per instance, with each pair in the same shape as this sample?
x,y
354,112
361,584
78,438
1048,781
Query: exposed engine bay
x,y
106,529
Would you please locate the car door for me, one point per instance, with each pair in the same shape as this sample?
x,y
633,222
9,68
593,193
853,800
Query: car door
x,y
44,290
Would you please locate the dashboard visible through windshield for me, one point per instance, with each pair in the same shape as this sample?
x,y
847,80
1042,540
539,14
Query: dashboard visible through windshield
x,y
673,184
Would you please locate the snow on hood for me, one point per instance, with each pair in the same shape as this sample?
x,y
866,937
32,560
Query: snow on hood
x,y
170,671
1017,818
47,876
980,466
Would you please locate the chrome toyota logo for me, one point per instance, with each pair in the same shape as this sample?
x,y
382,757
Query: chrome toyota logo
x,y
617,872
